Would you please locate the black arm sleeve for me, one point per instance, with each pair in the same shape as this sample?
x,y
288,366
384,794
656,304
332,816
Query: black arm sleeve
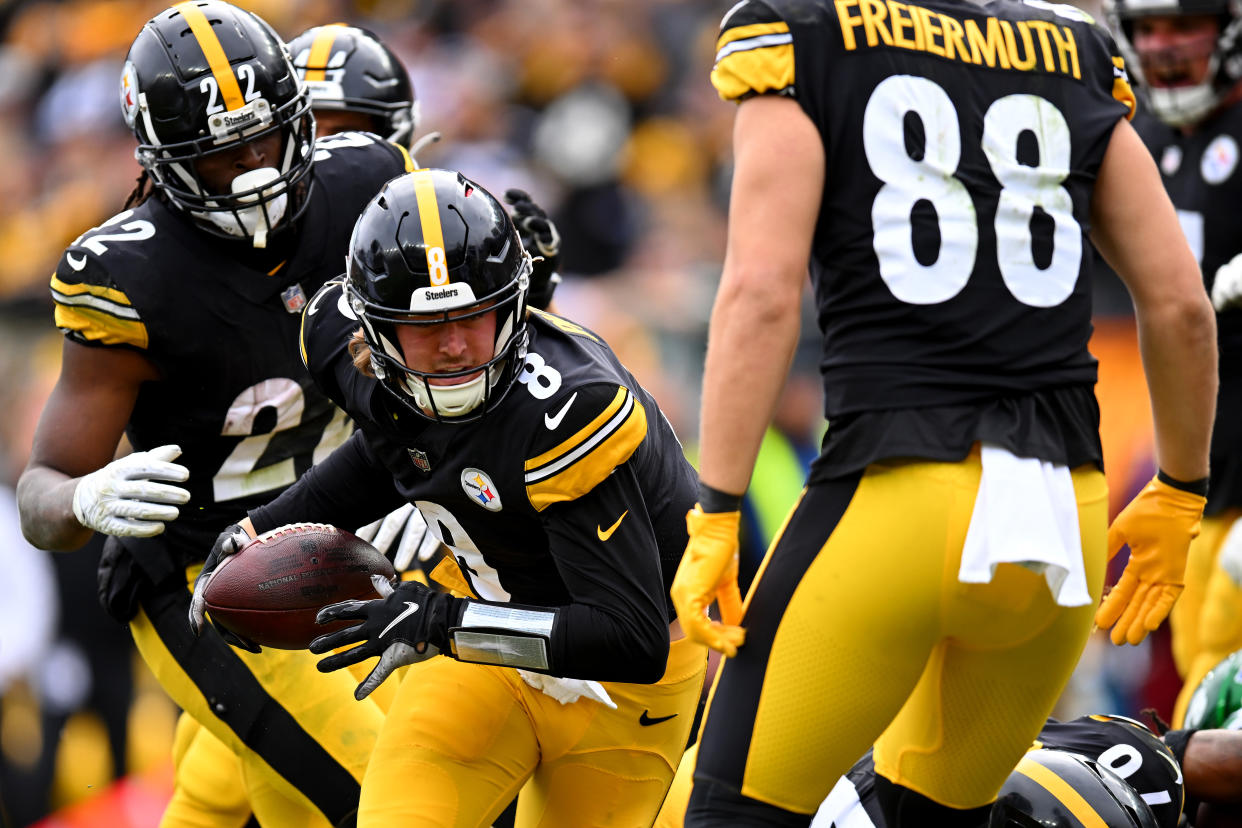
x,y
349,488
616,628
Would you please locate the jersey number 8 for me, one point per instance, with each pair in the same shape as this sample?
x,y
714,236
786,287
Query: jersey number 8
x,y
908,181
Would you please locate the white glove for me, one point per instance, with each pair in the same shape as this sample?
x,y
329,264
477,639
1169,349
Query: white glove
x,y
1230,558
566,690
121,499
1227,286
414,539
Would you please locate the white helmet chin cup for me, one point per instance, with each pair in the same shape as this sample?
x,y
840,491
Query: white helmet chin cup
x,y
450,400
1183,105
256,221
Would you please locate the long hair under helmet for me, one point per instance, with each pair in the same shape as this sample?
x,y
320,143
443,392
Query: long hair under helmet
x,y
433,246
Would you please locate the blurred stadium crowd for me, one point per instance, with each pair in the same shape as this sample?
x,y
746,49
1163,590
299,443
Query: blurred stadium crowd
x,y
600,108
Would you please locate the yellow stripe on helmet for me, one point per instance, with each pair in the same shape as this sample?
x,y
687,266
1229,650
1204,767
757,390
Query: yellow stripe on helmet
x,y
1063,791
214,52
433,235
320,51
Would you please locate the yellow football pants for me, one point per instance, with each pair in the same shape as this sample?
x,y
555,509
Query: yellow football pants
x,y
858,631
1206,621
301,740
462,739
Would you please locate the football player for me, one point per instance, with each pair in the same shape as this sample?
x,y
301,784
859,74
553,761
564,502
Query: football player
x,y
945,167
557,666
1189,55
181,316
356,83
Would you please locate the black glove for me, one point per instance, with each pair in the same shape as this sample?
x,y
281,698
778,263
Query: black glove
x,y
227,544
408,625
542,241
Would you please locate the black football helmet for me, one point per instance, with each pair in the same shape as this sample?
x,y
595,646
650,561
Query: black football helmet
x,y
204,77
1059,789
1183,105
435,246
349,68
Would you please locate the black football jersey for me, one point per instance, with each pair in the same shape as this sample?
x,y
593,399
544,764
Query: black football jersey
x,y
1122,745
1200,172
220,321
950,260
574,490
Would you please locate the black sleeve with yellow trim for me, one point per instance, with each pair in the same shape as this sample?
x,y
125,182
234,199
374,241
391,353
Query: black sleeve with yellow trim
x,y
90,308
605,549
323,342
754,54
606,424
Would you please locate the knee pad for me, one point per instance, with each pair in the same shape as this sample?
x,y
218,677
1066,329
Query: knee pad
x,y
904,807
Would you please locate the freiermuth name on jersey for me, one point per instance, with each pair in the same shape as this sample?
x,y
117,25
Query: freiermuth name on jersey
x,y
1024,45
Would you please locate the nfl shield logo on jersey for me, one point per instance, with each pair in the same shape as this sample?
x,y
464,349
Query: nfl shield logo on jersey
x,y
480,488
420,460
294,298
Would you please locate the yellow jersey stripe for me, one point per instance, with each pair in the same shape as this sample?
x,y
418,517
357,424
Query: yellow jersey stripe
x,y
433,235
214,52
99,326
745,33
564,324
762,69
320,51
583,434
67,289
1063,791
587,467
1121,86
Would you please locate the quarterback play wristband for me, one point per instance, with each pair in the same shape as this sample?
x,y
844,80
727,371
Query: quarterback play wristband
x,y
503,635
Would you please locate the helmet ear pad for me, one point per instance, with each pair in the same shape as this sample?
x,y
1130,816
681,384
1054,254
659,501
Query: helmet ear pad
x,y
434,247
182,108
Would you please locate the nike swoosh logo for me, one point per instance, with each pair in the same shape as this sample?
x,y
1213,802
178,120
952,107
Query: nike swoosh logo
x,y
410,608
605,534
553,423
75,262
648,721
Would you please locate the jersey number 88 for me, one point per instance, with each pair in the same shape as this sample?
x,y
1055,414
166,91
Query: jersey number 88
x,y
908,181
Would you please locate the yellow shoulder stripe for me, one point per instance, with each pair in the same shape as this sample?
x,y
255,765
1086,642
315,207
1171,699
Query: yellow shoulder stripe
x,y
1062,791
100,314
742,33
62,289
580,463
564,324
100,326
755,58
1121,86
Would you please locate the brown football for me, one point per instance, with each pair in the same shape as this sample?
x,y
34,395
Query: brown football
x,y
272,588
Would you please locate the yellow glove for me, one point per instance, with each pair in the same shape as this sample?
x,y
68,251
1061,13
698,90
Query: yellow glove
x,y
1158,526
708,572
